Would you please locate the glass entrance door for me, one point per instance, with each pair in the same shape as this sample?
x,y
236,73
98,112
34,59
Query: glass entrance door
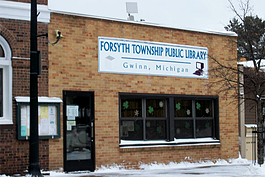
x,y
79,131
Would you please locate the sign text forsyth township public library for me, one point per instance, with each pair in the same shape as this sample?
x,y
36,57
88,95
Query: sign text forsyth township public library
x,y
127,56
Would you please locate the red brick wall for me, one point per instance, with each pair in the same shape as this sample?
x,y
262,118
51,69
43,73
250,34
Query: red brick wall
x,y
73,65
14,153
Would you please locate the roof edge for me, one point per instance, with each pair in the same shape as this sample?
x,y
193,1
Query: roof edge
x,y
223,33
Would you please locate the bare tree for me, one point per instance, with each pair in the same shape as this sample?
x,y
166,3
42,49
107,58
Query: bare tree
x,y
251,46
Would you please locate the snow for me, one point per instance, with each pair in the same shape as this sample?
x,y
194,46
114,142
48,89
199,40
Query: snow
x,y
162,143
231,168
249,64
41,99
198,140
251,125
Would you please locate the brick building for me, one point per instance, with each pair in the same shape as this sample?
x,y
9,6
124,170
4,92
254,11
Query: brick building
x,y
14,79
138,107
132,93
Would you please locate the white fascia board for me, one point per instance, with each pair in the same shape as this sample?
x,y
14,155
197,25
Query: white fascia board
x,y
21,11
41,99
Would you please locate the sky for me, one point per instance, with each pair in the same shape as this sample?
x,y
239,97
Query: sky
x,y
188,14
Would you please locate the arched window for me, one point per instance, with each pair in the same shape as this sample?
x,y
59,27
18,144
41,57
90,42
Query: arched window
x,y
5,83
2,54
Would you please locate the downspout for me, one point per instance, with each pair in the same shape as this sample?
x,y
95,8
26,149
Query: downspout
x,y
241,111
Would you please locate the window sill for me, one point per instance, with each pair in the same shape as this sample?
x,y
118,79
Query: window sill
x,y
162,143
5,122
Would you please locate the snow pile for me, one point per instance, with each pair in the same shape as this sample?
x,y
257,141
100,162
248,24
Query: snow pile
x,y
185,164
175,165
256,170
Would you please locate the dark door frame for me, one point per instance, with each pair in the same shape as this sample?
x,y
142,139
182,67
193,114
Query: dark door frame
x,y
90,167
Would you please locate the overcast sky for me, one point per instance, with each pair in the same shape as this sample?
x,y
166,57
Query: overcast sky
x,y
192,14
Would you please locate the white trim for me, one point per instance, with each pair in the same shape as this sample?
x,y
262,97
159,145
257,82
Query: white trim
x,y
21,11
223,33
5,62
41,99
7,83
20,58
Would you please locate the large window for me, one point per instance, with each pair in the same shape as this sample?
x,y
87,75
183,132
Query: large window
x,y
5,83
168,117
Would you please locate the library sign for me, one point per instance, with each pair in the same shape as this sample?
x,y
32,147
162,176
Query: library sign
x,y
126,56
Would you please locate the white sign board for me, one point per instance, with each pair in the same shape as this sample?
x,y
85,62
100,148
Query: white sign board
x,y
126,56
72,111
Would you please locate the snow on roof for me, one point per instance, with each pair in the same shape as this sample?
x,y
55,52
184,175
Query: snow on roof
x,y
41,99
249,64
250,125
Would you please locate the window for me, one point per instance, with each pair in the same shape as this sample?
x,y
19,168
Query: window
x,y
143,119
2,54
131,119
183,122
155,123
168,117
5,83
1,92
193,118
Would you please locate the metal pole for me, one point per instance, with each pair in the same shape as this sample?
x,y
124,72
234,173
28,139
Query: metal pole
x,y
34,166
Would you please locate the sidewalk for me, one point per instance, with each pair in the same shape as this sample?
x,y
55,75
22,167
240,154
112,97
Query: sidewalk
x,y
231,170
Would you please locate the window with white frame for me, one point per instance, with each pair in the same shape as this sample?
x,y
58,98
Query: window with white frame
x,y
5,83
1,92
146,117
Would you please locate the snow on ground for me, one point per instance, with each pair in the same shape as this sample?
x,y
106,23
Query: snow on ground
x,y
220,168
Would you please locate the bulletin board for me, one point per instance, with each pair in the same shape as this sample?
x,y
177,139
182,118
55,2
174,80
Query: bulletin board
x,y
48,121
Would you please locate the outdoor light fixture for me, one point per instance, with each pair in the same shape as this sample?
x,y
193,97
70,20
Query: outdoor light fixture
x,y
58,36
